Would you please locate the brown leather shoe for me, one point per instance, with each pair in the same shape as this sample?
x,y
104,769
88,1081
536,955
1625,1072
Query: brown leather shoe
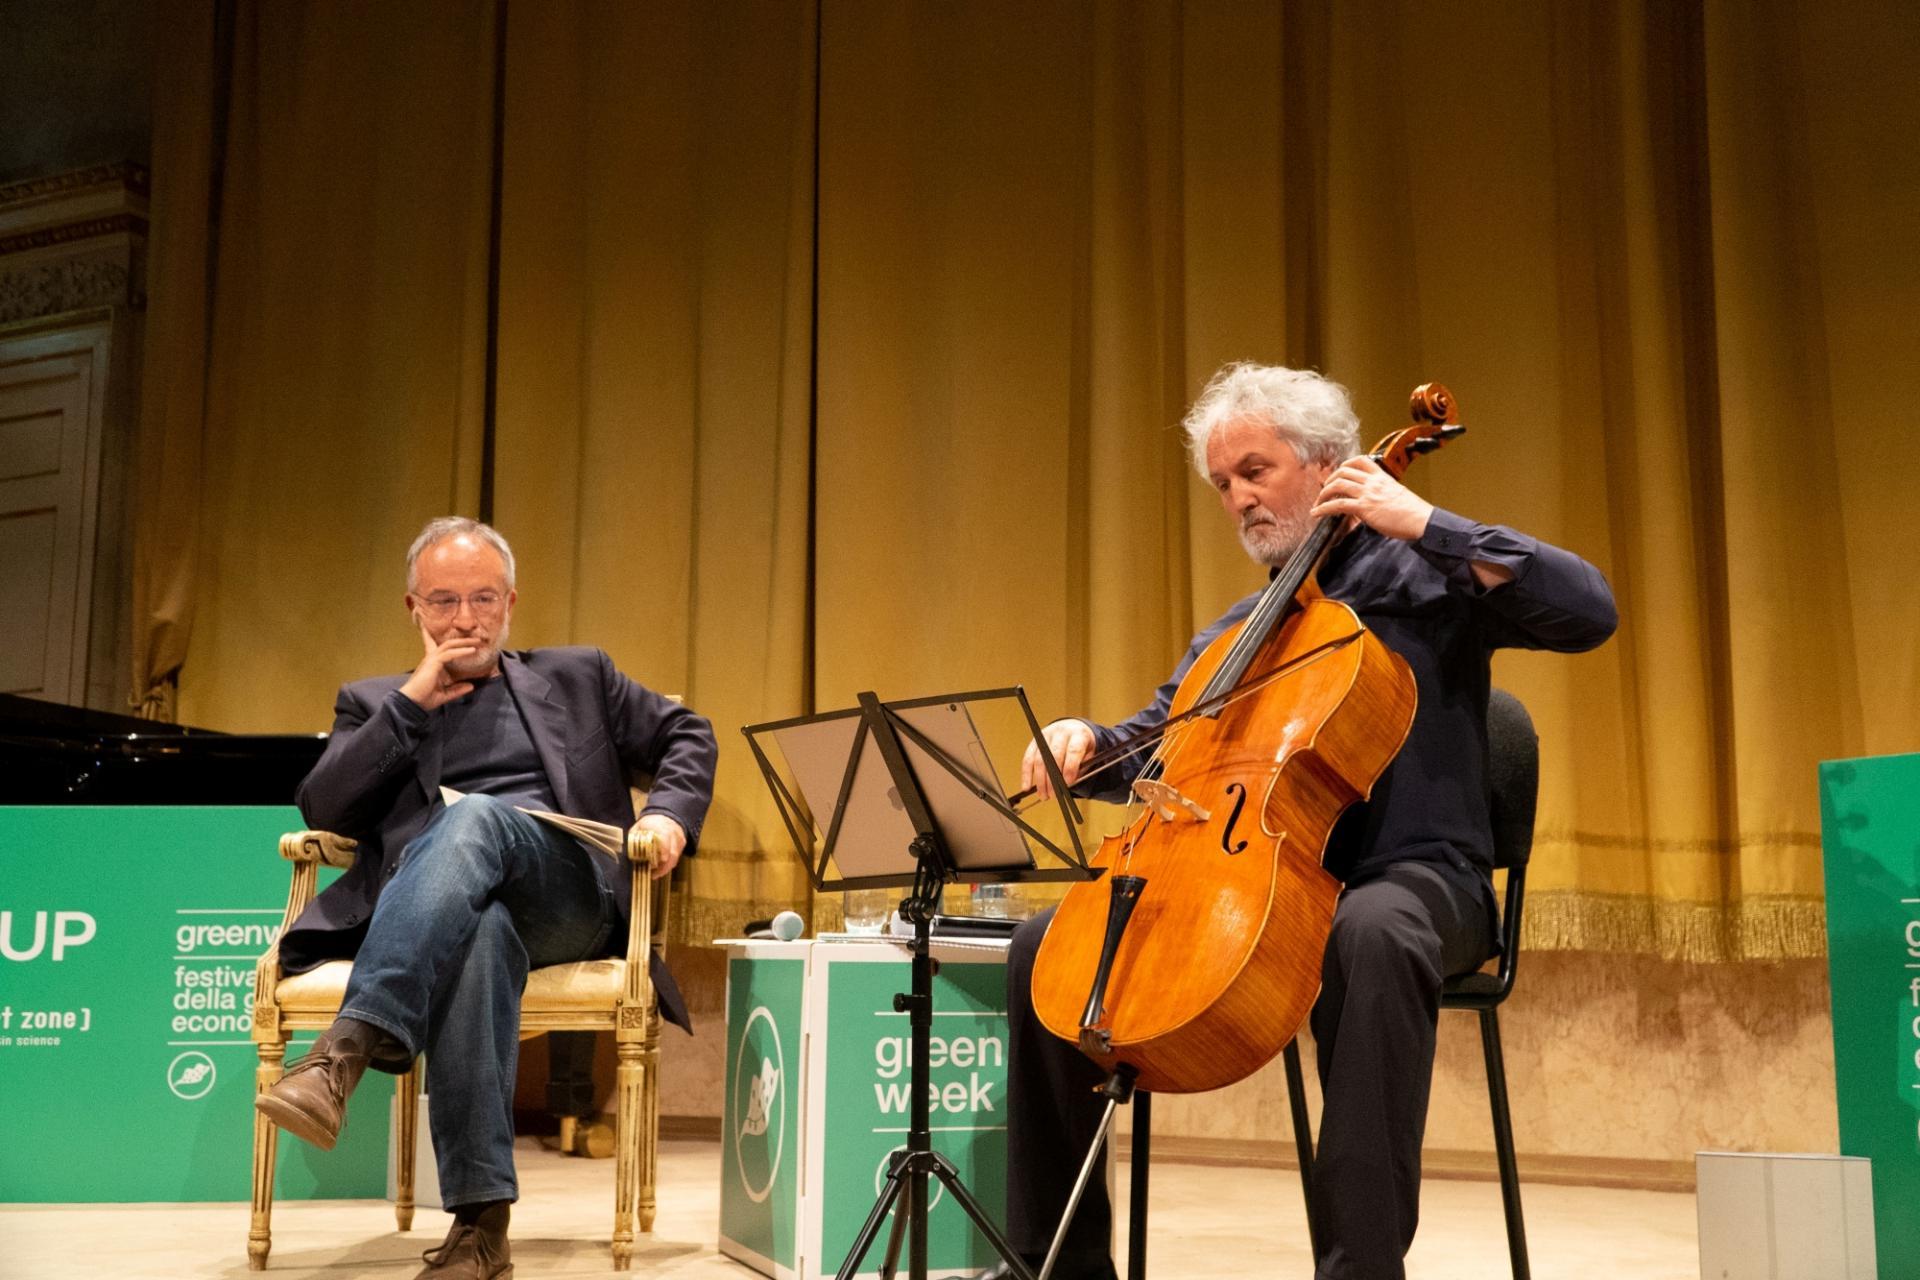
x,y
310,1101
476,1250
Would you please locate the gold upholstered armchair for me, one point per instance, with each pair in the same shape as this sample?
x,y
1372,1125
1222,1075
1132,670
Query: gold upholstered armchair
x,y
614,995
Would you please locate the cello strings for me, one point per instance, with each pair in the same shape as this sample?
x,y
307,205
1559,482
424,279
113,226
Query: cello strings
x,y
1168,736
1251,637
1300,565
1273,603
1171,743
1218,702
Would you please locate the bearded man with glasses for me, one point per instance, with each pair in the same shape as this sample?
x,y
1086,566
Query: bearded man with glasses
x,y
448,906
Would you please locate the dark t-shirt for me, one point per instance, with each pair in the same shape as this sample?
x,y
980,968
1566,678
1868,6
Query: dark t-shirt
x,y
485,747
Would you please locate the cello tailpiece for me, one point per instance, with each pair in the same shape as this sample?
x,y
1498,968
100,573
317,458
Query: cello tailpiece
x,y
1126,892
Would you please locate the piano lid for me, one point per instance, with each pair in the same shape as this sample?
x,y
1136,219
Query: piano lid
x,y
54,754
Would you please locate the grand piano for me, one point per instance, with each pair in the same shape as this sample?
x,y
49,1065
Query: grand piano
x,y
53,754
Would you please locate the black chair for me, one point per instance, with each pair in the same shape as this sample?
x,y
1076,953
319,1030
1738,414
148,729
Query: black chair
x,y
1513,750
1513,767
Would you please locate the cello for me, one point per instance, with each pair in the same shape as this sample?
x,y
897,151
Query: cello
x,y
1201,960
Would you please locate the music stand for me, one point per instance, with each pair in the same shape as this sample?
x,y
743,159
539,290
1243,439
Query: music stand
x,y
914,773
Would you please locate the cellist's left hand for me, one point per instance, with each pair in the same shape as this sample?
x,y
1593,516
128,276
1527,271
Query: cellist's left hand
x,y
1360,489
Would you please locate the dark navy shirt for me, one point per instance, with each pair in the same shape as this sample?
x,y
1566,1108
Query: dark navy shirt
x,y
1422,600
485,747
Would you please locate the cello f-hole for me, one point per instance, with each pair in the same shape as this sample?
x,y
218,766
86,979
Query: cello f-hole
x,y
1239,791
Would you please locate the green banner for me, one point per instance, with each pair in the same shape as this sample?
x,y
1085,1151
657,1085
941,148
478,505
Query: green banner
x,y
1870,838
760,1127
868,1096
127,943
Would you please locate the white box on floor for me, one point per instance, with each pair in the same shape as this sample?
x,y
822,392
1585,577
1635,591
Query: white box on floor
x,y
1785,1217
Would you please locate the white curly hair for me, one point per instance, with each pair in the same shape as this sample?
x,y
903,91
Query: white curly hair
x,y
1312,414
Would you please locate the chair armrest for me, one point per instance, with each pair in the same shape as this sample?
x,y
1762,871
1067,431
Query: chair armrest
x,y
643,847
306,850
318,846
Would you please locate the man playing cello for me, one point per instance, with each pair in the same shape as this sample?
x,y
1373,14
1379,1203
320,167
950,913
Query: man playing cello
x,y
1279,446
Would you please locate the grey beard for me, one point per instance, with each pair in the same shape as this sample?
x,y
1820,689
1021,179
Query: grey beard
x,y
484,660
1272,540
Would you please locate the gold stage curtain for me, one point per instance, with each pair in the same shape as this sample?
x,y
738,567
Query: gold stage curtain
x,y
655,381
1664,254
166,472
1690,253
344,351
1640,242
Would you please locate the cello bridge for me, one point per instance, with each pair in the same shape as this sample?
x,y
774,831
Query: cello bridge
x,y
1168,802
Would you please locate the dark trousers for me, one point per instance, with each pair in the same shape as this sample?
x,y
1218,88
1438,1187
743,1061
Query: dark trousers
x,y
1394,940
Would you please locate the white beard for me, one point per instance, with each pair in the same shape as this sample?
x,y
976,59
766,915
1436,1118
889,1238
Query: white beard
x,y
1270,538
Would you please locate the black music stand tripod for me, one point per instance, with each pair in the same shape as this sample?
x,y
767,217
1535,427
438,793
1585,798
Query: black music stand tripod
x,y
909,1170
904,1192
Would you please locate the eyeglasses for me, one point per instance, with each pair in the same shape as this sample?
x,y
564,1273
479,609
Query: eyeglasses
x,y
446,605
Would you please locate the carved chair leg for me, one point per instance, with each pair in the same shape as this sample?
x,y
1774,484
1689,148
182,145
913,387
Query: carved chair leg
x,y
406,1089
650,1120
628,1088
266,1144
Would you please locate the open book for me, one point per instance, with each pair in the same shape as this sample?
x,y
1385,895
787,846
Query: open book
x,y
603,836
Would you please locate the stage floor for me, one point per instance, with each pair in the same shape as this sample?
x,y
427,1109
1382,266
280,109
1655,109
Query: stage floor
x,y
1207,1222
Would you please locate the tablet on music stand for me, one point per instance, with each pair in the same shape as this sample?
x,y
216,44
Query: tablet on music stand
x,y
853,822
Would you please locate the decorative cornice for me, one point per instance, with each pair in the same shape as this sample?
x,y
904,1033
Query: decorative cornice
x,y
66,284
73,242
51,186
67,233
61,322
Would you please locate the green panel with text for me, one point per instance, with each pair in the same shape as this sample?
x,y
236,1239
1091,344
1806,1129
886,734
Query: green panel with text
x,y
127,943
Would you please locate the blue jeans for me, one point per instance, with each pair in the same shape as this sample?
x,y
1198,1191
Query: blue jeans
x,y
478,898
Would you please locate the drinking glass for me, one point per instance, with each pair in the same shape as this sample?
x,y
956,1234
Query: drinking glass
x,y
998,902
866,909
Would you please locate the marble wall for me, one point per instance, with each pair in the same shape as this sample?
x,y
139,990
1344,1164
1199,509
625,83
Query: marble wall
x,y
693,1068
1611,1060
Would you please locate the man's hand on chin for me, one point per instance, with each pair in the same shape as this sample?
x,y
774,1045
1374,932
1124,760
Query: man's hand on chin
x,y
434,683
670,838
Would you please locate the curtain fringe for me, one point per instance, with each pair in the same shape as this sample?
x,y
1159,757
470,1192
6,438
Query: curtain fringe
x,y
1769,928
697,921
1754,928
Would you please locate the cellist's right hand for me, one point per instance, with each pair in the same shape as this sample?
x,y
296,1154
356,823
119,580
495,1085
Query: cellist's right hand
x,y
1070,741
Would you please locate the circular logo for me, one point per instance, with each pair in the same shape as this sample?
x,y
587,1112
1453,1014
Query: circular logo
x,y
936,1188
190,1075
759,1104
